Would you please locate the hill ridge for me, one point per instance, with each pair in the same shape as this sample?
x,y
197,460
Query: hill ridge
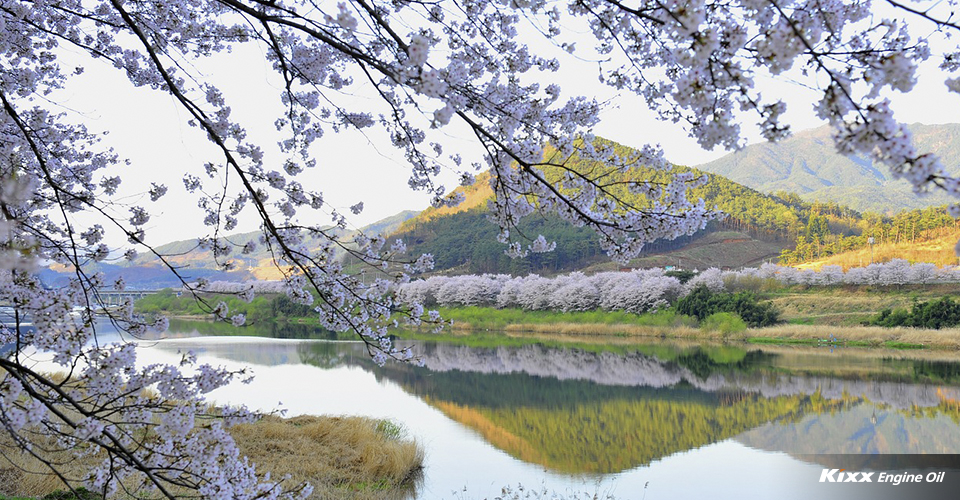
x,y
808,164
464,241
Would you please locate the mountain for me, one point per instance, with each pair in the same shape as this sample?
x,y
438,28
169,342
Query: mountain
x,y
390,224
758,227
259,263
147,272
808,164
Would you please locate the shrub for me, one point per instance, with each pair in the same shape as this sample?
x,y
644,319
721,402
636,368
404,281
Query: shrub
x,y
942,313
684,275
701,303
724,322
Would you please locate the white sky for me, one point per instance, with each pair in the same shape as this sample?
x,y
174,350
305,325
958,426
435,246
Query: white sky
x,y
150,129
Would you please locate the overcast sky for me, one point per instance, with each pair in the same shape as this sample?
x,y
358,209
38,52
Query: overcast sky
x,y
150,129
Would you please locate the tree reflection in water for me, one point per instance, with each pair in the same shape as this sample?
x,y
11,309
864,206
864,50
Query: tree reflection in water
x,y
606,410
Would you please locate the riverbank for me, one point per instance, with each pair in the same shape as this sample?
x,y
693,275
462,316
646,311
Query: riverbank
x,y
835,313
667,324
600,325
355,458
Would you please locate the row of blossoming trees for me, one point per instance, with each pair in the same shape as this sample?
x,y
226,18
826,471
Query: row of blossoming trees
x,y
645,290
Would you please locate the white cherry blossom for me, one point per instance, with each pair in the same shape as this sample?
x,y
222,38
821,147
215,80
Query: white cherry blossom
x,y
427,70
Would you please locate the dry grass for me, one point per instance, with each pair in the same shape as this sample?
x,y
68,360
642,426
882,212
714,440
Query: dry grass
x,y
342,457
717,249
873,335
21,474
849,303
870,335
938,250
851,306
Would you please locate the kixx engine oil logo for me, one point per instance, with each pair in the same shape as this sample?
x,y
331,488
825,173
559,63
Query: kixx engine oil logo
x,y
842,476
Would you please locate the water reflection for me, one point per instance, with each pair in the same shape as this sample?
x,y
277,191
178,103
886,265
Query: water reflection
x,y
601,410
274,330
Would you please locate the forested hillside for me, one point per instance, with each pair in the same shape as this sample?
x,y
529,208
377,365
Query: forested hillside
x,y
465,241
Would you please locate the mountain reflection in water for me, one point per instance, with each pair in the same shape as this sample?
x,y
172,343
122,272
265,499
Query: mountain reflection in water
x,y
595,411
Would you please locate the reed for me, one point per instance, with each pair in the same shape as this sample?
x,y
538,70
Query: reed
x,y
861,335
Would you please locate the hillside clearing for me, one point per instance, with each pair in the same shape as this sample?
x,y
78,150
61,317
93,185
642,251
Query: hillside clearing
x,y
721,249
940,251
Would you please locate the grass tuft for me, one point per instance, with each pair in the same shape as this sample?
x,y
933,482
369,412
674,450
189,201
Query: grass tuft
x,y
724,322
342,457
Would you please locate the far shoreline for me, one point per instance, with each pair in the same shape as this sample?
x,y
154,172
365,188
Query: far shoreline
x,y
661,325
947,339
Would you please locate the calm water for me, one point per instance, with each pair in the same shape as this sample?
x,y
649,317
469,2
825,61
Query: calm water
x,y
687,421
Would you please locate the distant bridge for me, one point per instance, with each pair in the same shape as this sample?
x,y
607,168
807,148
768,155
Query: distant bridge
x,y
8,316
109,298
116,297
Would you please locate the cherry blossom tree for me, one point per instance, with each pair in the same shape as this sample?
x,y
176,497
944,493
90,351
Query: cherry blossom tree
x,y
922,273
482,290
427,68
856,276
832,275
895,272
509,293
448,294
639,291
535,293
417,292
575,292
712,278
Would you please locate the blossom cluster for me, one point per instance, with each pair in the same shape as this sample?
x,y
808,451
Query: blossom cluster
x,y
423,70
893,272
854,54
636,291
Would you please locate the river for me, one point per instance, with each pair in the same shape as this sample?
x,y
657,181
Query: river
x,y
638,421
